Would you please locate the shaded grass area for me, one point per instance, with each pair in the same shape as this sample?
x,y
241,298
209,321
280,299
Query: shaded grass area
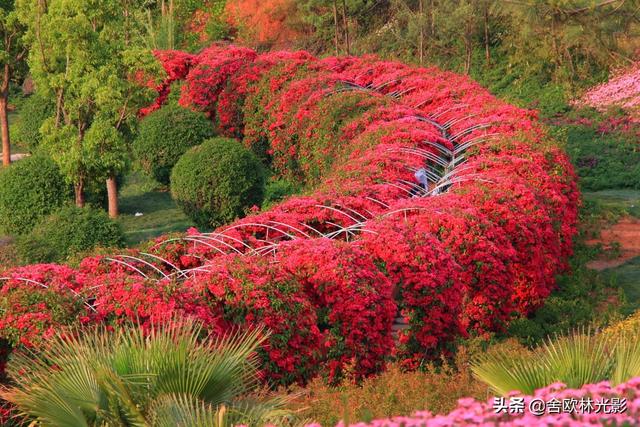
x,y
603,160
160,215
627,277
622,201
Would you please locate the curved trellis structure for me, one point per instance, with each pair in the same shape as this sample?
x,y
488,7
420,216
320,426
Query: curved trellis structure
x,y
424,195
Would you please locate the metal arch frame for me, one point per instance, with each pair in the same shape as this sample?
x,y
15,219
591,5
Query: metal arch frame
x,y
43,286
450,160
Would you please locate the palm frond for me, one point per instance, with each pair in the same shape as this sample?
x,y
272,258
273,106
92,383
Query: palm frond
x,y
505,374
582,357
185,411
627,359
98,377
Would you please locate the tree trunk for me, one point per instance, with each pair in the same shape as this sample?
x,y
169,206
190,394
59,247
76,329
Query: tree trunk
x,y
432,19
4,117
556,50
335,25
112,195
468,47
487,53
346,27
4,122
421,39
78,189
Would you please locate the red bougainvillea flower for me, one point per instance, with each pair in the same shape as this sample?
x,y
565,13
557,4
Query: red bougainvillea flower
x,y
424,198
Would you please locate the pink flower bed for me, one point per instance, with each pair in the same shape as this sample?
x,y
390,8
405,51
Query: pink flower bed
x,y
622,90
594,404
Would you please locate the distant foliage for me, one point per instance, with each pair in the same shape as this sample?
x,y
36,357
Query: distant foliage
x,y
33,112
278,190
217,182
265,23
29,190
68,231
165,135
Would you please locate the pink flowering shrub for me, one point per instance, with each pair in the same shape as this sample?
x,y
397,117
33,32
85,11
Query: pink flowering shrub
x,y
328,271
622,90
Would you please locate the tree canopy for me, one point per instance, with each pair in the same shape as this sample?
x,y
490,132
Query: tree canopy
x,y
84,54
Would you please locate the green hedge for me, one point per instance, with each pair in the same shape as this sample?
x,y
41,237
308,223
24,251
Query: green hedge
x,y
217,182
29,189
165,135
66,232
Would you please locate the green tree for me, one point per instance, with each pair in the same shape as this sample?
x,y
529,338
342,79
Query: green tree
x,y
446,32
11,54
570,40
85,55
339,22
169,23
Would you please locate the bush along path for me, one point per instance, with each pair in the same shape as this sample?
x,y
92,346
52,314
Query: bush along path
x,y
423,194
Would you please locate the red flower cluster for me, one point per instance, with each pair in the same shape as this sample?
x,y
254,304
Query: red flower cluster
x,y
425,196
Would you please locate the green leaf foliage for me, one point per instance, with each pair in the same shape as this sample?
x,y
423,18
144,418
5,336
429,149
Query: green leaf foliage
x,y
216,182
83,56
29,190
67,231
167,375
33,112
165,135
580,358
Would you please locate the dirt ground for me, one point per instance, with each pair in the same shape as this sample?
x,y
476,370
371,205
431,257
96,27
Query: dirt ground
x,y
626,234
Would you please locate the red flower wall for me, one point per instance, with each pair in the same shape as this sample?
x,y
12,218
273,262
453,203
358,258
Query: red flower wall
x,y
327,271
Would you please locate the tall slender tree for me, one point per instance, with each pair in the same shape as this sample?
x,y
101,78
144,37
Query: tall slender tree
x,y
11,54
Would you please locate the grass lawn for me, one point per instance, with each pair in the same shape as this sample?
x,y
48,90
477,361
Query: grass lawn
x,y
160,214
621,200
627,277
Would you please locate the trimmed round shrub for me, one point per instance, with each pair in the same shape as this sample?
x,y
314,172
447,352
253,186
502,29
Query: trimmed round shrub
x,y
217,182
66,232
165,135
29,189
33,112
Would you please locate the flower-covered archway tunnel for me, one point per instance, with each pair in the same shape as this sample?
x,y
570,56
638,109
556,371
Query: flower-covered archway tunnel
x,y
423,195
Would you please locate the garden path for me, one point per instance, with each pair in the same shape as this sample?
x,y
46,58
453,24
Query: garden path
x,y
626,234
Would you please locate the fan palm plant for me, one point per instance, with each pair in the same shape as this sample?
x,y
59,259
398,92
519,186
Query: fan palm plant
x,y
167,376
578,359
